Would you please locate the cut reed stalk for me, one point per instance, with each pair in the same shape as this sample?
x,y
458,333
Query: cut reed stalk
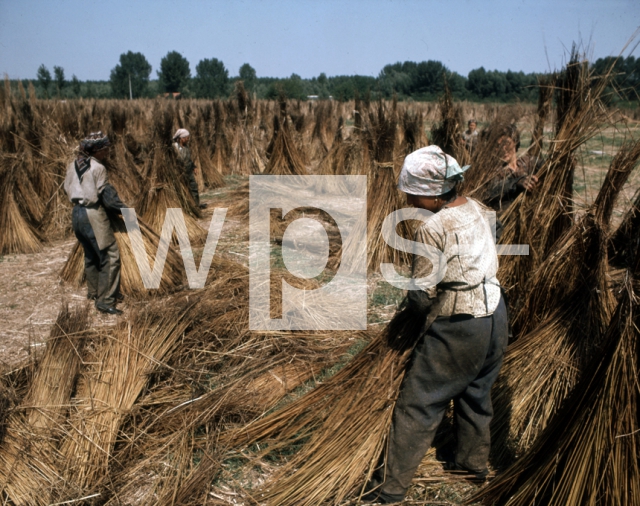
x,y
28,474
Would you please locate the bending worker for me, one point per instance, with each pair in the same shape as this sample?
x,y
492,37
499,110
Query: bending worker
x,y
515,174
181,145
459,355
88,188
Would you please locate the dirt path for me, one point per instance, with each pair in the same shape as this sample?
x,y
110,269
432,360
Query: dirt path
x,y
31,297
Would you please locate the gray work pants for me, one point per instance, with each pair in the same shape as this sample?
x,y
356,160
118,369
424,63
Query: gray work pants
x,y
101,266
193,186
457,359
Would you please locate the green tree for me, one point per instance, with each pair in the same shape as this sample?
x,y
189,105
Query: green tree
x,y
75,85
212,78
248,74
58,73
174,72
292,88
44,78
134,67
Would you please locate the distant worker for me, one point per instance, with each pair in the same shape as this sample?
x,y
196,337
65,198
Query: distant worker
x,y
470,137
514,176
93,199
181,144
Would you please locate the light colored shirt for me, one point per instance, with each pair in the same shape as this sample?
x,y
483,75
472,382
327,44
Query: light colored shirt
x,y
184,155
86,192
464,236
470,138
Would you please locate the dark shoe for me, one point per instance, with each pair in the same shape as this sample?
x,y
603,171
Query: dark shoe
x,y
202,206
108,309
377,496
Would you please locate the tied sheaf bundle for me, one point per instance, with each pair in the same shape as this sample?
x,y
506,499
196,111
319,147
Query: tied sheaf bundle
x,y
383,197
588,453
131,283
323,133
220,146
446,133
284,158
28,471
562,322
19,226
413,134
540,218
545,98
249,136
247,155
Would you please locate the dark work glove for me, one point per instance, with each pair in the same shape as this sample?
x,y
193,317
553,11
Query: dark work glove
x,y
110,200
419,302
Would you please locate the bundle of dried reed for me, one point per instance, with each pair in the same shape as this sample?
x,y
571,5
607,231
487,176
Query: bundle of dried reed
x,y
447,133
383,197
19,233
28,474
247,157
588,454
562,320
630,227
285,159
546,86
414,137
220,146
320,142
108,390
210,176
124,174
540,219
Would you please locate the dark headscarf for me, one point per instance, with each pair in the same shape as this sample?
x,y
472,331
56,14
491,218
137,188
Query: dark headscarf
x,y
91,144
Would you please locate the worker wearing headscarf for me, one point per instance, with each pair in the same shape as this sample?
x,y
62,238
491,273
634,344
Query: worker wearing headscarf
x,y
93,198
181,144
459,355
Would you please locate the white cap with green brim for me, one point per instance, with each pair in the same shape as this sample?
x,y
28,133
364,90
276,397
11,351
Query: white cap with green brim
x,y
430,172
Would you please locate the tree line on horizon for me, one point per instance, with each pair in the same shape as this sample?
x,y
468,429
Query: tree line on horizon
x,y
421,81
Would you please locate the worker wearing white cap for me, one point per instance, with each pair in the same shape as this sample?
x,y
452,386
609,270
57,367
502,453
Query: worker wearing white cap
x,y
181,144
459,355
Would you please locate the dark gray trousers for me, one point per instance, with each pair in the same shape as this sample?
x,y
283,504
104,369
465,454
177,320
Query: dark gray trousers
x,y
101,267
457,359
193,186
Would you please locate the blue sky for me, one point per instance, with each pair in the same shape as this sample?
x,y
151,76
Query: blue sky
x,y
308,37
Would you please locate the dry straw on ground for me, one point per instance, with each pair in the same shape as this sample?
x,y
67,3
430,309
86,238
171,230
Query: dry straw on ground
x,y
28,472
